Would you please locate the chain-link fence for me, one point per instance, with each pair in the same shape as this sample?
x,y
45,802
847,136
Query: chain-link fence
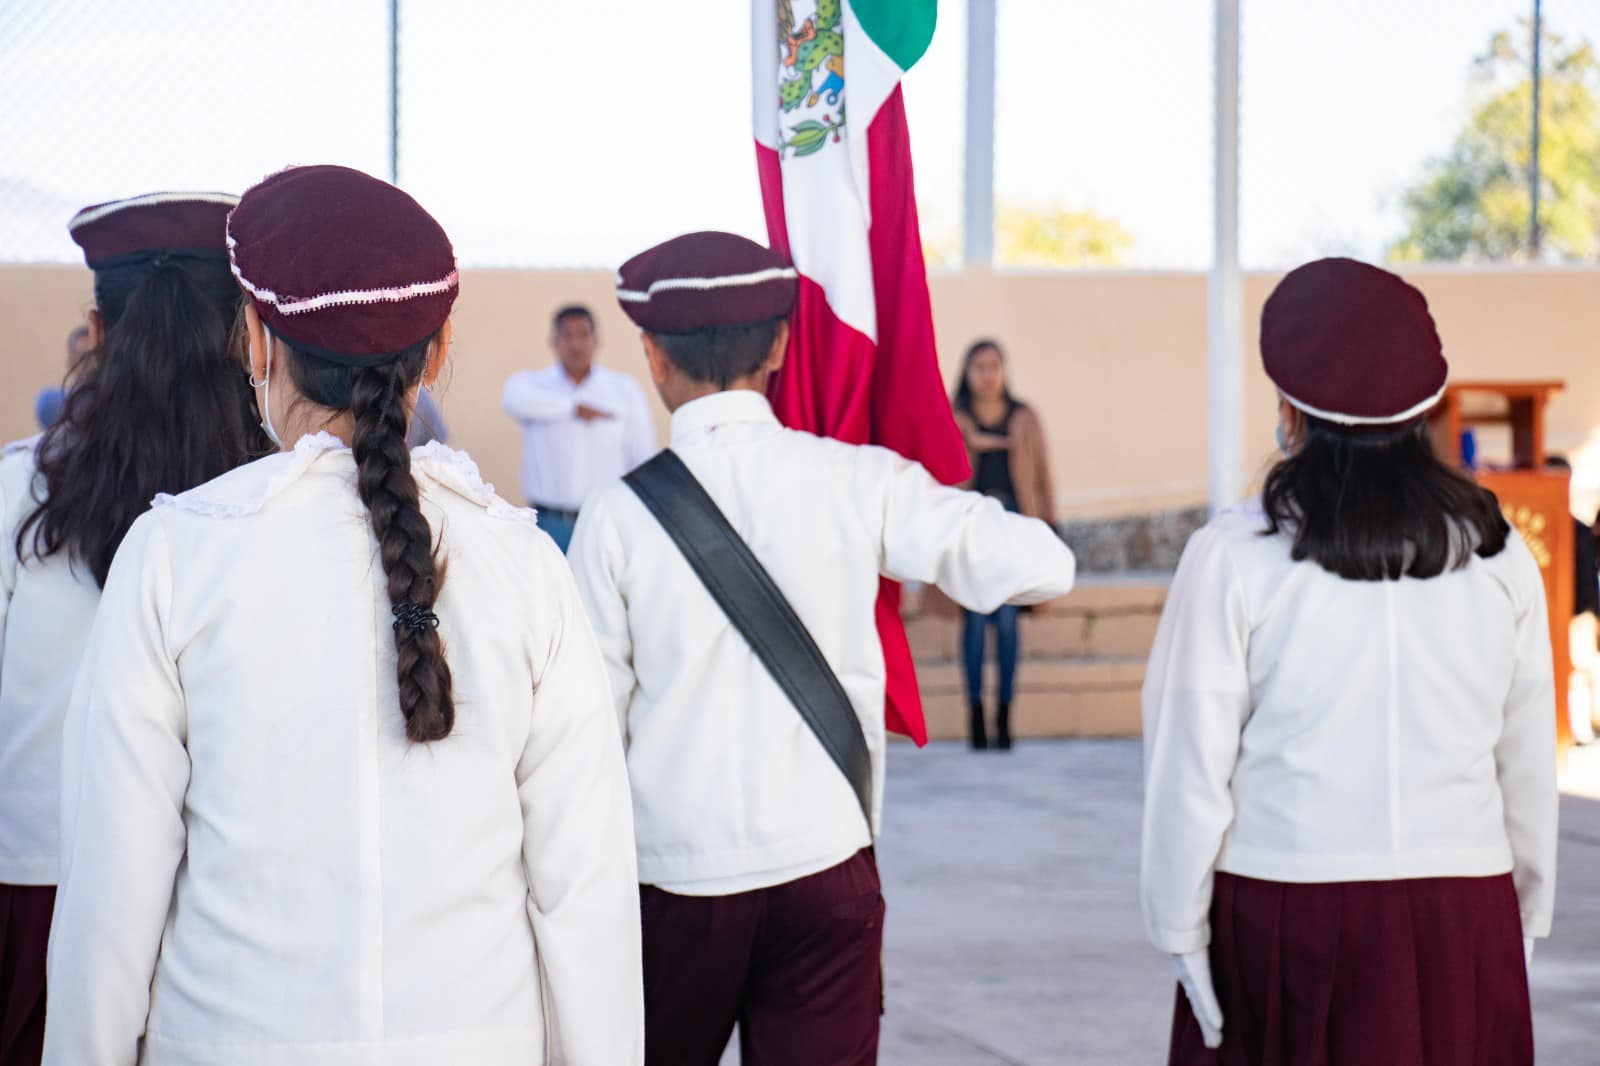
x,y
107,98
573,134
1368,128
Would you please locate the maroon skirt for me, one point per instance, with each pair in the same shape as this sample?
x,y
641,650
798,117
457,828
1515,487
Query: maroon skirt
x,y
1427,972
24,936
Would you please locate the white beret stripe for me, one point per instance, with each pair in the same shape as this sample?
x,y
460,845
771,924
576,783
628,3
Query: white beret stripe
x,y
95,214
703,284
1360,420
299,305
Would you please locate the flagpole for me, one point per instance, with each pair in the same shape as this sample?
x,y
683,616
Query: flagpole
x,y
394,92
1226,373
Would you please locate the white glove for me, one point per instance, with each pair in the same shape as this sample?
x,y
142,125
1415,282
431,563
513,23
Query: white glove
x,y
1527,951
1194,973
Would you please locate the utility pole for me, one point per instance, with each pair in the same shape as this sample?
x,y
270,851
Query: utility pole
x,y
1534,178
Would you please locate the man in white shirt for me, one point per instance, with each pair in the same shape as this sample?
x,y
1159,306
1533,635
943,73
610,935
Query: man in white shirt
x,y
760,893
583,425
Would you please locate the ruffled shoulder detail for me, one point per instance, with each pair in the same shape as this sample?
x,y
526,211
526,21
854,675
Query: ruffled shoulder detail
x,y
456,471
245,490
16,447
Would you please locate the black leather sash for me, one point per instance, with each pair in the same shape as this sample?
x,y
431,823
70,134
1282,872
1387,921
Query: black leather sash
x,y
758,610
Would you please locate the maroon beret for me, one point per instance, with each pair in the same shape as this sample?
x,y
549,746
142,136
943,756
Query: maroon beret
x,y
342,263
705,279
154,222
1352,344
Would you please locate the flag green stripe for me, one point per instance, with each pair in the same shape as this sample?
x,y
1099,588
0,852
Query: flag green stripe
x,y
902,28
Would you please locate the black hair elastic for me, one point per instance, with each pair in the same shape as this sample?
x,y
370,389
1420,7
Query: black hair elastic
x,y
414,616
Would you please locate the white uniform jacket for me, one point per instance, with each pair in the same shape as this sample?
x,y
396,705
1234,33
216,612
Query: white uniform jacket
x,y
732,791
46,608
1300,727
258,867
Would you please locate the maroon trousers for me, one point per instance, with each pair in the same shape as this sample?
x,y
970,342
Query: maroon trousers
x,y
797,966
24,936
1404,973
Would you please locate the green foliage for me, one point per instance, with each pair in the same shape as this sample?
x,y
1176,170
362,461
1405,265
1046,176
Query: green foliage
x,y
1057,237
1474,203
827,14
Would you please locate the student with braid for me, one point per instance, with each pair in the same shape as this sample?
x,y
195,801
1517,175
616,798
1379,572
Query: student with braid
x,y
343,781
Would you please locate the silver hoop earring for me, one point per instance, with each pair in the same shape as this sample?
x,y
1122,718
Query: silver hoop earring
x,y
254,384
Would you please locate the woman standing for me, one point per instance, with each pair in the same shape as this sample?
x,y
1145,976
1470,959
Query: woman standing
x,y
1005,443
156,405
343,780
1350,806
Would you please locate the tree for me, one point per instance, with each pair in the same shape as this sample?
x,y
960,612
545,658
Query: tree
x,y
1474,203
1055,237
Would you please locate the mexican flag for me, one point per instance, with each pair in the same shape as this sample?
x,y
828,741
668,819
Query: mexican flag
x,y
839,201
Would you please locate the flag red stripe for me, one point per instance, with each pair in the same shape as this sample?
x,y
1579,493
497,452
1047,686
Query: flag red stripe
x,y
910,408
836,382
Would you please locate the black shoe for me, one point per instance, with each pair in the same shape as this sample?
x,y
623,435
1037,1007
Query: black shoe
x,y
976,736
1002,728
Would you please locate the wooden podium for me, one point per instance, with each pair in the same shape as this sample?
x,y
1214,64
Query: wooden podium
x,y
1535,500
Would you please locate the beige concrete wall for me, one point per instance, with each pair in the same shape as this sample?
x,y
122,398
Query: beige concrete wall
x,y
1116,362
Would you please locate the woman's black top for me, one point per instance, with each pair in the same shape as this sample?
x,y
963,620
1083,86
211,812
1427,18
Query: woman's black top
x,y
992,477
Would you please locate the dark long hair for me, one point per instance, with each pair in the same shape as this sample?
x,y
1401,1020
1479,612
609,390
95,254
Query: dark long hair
x,y
159,406
374,396
1379,506
961,399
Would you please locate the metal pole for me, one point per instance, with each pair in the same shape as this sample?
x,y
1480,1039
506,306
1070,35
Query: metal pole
x,y
978,197
1226,374
1534,176
394,91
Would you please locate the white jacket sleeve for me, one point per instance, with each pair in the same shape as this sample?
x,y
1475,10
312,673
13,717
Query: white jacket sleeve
x,y
968,545
525,401
1525,757
125,769
8,563
578,848
596,556
1196,702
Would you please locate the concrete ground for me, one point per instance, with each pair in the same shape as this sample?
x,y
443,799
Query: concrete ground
x,y
1014,936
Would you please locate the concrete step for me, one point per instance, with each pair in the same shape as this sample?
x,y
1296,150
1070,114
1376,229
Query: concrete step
x,y
1054,698
1059,634
1112,617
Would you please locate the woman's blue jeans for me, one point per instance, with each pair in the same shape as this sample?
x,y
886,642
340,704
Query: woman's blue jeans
x,y
972,648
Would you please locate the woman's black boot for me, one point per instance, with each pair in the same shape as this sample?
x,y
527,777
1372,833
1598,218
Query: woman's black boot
x,y
1002,728
977,736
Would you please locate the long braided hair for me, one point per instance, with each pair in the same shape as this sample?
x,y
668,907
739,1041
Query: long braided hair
x,y
374,396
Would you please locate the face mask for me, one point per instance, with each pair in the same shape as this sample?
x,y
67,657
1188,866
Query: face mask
x,y
266,396
1283,443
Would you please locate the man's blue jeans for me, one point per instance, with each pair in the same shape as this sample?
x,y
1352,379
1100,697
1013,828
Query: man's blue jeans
x,y
559,525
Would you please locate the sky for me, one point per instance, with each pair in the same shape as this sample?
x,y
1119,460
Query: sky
x,y
549,134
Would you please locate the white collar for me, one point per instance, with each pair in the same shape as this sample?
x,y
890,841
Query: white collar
x,y
721,408
245,490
